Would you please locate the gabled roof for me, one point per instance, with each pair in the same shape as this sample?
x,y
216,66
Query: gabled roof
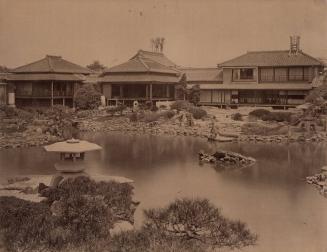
x,y
205,75
45,77
145,61
51,64
272,58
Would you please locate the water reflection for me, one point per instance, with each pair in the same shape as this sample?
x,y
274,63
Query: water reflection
x,y
270,196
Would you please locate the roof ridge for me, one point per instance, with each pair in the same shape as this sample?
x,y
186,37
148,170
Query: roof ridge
x,y
198,68
150,52
267,51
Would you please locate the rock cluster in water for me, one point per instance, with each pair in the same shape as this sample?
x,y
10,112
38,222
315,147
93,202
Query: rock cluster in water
x,y
320,181
226,159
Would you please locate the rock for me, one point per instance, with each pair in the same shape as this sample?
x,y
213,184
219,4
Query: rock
x,y
23,183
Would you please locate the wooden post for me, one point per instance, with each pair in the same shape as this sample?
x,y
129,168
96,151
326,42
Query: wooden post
x,y
167,91
150,92
63,101
51,93
147,91
121,91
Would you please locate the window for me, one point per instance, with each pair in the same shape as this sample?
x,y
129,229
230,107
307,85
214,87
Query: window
x,y
243,74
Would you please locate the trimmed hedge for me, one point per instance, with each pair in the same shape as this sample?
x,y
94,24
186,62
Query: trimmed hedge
x,y
266,115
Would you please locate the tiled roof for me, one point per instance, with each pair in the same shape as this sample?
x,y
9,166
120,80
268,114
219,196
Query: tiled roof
x,y
51,64
145,61
272,58
255,86
140,77
45,76
203,74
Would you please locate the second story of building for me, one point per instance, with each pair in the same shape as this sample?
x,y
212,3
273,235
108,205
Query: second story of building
x,y
283,66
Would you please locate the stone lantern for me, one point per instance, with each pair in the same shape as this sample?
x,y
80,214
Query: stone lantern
x,y
72,154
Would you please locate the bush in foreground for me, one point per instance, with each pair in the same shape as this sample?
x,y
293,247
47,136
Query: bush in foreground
x,y
86,210
199,220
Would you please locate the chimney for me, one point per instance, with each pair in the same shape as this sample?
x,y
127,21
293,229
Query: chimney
x,y
294,45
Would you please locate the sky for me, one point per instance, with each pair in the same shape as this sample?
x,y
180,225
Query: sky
x,y
197,33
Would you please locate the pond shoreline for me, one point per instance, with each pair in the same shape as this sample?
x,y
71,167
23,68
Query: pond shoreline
x,y
40,132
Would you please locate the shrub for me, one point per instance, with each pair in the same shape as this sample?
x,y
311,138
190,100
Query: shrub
x,y
198,113
82,219
237,117
259,113
152,116
120,108
180,105
86,97
149,239
266,115
154,108
25,225
169,114
133,117
199,220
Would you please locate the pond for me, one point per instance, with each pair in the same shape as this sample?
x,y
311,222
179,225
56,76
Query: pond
x,y
271,196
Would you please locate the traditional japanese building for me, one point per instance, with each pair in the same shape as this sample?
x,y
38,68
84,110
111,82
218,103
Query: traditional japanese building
x,y
209,80
51,80
148,76
278,78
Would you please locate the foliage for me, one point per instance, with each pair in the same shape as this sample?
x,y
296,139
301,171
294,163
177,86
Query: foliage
x,y
181,89
120,108
263,130
149,239
25,225
82,218
266,115
317,95
86,97
198,219
116,195
151,116
96,66
180,105
197,113
237,117
193,94
169,114
133,117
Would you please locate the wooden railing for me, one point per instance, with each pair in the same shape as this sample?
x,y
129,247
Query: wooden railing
x,y
284,78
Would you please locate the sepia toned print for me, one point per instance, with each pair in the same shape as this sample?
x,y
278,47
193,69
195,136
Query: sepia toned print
x,y
132,126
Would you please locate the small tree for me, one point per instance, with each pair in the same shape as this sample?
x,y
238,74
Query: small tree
x,y
87,97
181,89
96,66
199,220
193,94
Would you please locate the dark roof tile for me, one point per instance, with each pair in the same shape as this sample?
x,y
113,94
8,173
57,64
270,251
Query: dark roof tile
x,y
272,58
